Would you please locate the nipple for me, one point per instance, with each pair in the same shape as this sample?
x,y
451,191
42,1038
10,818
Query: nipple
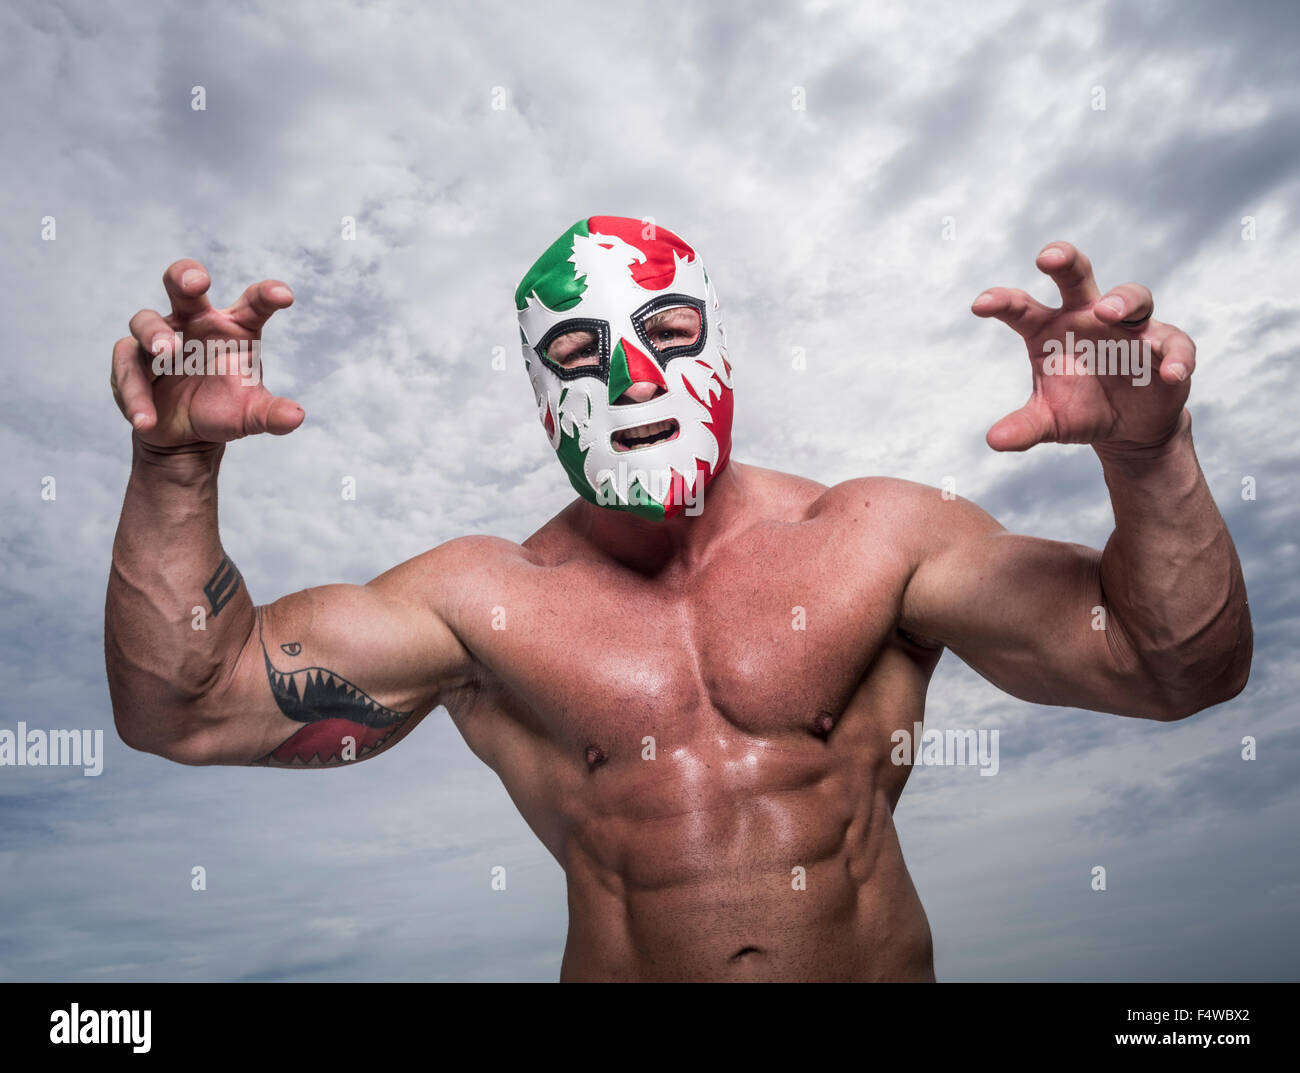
x,y
823,725
595,757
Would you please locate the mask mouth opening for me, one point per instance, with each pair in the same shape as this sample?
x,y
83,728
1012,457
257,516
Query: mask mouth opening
x,y
632,439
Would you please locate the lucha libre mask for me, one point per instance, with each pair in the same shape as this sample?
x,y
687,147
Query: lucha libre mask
x,y
628,362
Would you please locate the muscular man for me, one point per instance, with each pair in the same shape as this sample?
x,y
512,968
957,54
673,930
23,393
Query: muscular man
x,y
687,679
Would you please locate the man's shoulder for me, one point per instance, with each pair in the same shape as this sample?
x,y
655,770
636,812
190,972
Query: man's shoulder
x,y
885,496
858,501
918,518
474,557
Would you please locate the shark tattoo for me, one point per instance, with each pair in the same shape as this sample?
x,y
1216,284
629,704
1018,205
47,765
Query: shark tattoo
x,y
343,723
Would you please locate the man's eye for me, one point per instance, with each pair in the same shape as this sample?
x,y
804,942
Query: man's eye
x,y
678,329
586,353
665,334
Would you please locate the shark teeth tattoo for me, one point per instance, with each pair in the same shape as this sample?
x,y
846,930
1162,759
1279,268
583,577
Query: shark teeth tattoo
x,y
341,718
310,694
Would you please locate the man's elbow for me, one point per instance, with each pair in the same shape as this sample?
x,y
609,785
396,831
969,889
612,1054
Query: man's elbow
x,y
194,749
1180,703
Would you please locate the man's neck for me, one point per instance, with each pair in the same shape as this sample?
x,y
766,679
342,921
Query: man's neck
x,y
684,542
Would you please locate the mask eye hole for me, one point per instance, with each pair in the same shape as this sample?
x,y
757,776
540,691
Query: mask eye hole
x,y
676,326
576,348
572,350
671,325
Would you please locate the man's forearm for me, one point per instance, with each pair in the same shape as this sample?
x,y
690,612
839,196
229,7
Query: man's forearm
x,y
177,611
1171,576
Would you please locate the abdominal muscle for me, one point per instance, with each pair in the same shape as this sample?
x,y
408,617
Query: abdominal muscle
x,y
741,860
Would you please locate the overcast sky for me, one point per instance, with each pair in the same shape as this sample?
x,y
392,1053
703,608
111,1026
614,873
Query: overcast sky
x,y
823,229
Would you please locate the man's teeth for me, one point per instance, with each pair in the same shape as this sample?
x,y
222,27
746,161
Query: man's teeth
x,y
644,433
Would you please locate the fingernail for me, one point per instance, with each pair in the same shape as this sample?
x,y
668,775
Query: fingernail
x,y
159,343
1051,253
281,293
987,296
192,277
137,420
1179,370
1115,305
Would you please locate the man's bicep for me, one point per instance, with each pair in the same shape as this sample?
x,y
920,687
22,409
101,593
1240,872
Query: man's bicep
x,y
334,674
1026,613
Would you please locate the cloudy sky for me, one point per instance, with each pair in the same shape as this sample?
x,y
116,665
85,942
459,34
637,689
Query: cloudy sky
x,y
824,229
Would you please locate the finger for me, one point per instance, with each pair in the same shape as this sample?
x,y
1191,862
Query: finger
x,y
1129,305
272,413
1177,355
259,301
153,333
1024,428
187,284
131,387
1071,271
1014,308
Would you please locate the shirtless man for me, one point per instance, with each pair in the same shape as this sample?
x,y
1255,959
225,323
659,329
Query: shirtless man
x,y
687,680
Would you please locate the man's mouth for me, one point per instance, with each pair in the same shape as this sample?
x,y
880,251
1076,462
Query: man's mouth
x,y
629,439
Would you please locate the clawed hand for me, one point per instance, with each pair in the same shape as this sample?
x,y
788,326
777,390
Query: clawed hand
x,y
1104,372
175,399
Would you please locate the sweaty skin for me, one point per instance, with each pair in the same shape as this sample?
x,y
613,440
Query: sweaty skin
x,y
694,716
682,762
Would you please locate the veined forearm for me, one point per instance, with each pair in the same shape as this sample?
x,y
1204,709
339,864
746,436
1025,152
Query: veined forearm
x,y
177,611
1170,573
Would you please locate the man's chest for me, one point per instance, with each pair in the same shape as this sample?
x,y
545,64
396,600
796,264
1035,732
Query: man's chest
x,y
772,639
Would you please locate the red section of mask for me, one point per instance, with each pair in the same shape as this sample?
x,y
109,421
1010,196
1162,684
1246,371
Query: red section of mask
x,y
720,410
640,368
658,269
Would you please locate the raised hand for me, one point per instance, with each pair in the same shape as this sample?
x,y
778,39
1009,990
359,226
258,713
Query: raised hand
x,y
217,400
1136,407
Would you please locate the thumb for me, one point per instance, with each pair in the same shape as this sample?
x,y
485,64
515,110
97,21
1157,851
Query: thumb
x,y
274,414
1021,430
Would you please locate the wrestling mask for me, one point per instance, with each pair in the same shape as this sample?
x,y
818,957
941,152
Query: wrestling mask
x,y
626,354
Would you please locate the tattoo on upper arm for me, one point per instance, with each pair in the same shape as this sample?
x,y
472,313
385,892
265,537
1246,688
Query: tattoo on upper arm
x,y
222,585
343,722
